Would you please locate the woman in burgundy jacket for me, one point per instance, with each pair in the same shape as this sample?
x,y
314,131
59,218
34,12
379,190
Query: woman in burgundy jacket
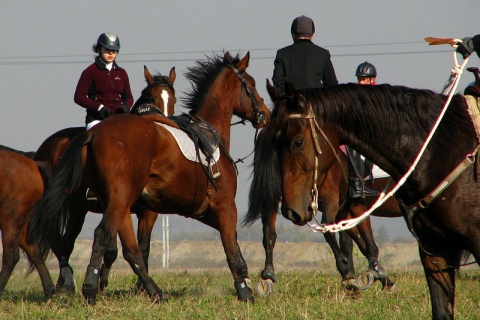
x,y
103,88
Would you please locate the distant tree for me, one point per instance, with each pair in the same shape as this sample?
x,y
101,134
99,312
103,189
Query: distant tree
x,y
381,235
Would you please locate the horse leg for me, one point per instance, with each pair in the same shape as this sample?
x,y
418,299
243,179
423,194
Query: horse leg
x,y
363,236
133,255
346,246
440,274
63,248
108,259
33,253
146,221
11,254
227,226
264,288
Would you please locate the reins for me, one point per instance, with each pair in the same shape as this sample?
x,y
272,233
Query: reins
x,y
259,115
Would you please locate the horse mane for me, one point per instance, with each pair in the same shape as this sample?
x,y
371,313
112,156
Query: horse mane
x,y
411,112
202,76
265,191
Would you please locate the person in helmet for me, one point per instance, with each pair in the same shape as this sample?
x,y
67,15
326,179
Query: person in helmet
x,y
366,73
305,64
361,169
104,88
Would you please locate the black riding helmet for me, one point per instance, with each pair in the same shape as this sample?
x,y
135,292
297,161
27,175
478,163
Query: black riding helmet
x,y
366,70
109,41
303,26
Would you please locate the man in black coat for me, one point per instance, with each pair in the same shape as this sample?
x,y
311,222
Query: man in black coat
x,y
305,64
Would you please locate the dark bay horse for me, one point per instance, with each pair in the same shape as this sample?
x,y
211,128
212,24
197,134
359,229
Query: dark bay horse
x,y
335,206
159,92
21,185
128,159
445,221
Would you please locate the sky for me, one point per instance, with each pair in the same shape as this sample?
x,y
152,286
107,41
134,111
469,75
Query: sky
x,y
45,45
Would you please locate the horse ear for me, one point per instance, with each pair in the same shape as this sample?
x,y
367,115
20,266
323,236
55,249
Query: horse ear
x,y
148,75
272,92
227,57
243,64
289,88
172,76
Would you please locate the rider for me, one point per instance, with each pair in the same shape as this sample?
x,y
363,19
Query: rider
x,y
103,88
359,169
305,64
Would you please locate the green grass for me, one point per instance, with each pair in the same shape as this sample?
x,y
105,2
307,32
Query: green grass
x,y
211,295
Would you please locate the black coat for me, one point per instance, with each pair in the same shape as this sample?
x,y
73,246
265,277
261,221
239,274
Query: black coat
x,y
305,64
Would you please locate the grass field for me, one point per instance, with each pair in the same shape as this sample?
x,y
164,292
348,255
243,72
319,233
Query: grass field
x,y
210,295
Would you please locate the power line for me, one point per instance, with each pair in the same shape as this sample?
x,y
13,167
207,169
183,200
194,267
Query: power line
x,y
194,59
15,58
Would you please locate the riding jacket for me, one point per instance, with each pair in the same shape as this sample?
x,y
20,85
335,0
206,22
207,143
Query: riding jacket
x,y
99,86
305,64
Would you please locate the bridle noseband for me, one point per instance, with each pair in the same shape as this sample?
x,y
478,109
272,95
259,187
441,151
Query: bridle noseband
x,y
258,115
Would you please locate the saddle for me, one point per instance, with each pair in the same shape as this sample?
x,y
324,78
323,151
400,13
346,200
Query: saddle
x,y
205,138
473,90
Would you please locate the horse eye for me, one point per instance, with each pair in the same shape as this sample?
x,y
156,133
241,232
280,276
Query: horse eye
x,y
297,144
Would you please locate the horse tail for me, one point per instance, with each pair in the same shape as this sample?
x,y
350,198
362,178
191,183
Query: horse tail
x,y
50,213
265,191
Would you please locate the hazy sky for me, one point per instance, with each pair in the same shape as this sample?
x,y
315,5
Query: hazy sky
x,y
45,45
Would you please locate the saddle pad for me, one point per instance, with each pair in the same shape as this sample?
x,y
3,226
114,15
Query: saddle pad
x,y
187,146
379,173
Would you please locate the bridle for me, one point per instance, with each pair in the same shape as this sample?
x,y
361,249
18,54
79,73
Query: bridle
x,y
147,97
314,129
257,114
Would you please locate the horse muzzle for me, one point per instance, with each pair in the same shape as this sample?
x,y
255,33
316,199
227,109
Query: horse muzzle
x,y
295,217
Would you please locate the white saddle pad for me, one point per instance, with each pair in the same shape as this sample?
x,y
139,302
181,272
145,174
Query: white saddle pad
x,y
187,146
379,173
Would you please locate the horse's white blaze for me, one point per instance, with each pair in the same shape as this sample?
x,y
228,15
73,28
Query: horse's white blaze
x,y
165,96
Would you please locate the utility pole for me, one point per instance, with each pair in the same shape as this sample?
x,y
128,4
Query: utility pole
x,y
166,240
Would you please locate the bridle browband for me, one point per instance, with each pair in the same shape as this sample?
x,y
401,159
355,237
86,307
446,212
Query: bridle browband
x,y
257,114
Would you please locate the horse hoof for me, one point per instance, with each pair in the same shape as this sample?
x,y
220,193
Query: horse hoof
x,y
350,284
264,288
365,281
91,301
157,298
243,291
390,289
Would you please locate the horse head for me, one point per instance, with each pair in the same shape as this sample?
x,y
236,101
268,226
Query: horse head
x,y
305,154
159,92
251,107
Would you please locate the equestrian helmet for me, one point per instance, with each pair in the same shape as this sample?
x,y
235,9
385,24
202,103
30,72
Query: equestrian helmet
x,y
303,26
366,70
109,41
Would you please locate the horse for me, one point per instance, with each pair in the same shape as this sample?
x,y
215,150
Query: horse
x,y
128,159
28,154
439,207
335,206
21,185
160,93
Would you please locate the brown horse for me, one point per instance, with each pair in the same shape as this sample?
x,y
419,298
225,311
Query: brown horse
x,y
21,185
440,207
158,92
335,206
128,159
